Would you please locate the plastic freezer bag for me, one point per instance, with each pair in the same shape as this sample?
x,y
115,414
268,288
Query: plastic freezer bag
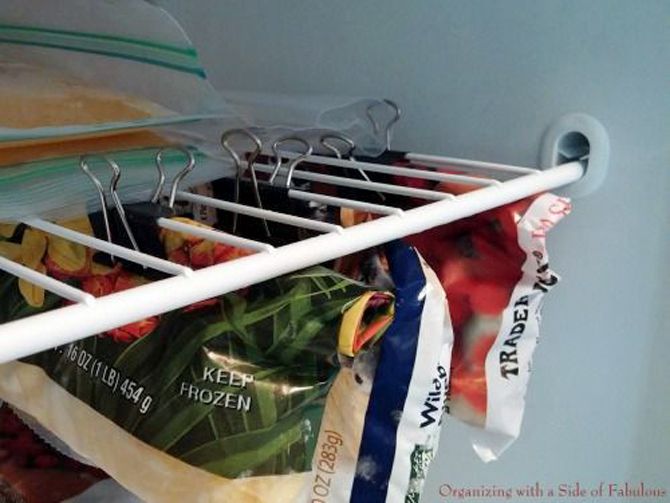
x,y
311,116
92,68
58,188
82,80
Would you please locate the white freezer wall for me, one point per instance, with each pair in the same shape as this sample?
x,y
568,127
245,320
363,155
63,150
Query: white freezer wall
x,y
484,79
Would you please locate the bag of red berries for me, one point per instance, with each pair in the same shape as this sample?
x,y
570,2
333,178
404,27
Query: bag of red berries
x,y
494,268
33,471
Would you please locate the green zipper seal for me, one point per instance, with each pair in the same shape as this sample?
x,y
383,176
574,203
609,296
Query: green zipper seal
x,y
187,51
126,158
174,58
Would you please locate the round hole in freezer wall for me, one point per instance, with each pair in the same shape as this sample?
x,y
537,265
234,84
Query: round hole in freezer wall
x,y
578,136
572,146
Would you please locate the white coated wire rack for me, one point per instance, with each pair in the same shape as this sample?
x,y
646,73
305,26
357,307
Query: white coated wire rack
x,y
501,184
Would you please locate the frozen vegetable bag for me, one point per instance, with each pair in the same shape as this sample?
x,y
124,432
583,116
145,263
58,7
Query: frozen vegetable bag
x,y
266,394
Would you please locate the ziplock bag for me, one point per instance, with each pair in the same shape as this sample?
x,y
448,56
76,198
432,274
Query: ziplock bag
x,y
57,188
494,267
71,65
311,116
83,80
274,393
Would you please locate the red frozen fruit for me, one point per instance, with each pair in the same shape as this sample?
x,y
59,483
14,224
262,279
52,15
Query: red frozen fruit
x,y
203,304
453,267
126,281
132,331
506,225
489,298
98,285
459,310
27,442
179,256
201,254
494,263
472,388
46,461
225,253
10,424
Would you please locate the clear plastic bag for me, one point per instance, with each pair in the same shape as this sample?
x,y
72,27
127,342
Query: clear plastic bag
x,y
124,47
363,120
85,80
57,188
97,54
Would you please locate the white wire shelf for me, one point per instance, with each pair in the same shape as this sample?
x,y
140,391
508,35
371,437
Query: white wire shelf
x,y
89,316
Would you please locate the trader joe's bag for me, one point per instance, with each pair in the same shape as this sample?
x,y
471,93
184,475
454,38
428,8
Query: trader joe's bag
x,y
494,268
302,388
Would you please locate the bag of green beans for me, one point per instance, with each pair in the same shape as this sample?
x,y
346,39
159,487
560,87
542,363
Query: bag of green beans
x,y
301,388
